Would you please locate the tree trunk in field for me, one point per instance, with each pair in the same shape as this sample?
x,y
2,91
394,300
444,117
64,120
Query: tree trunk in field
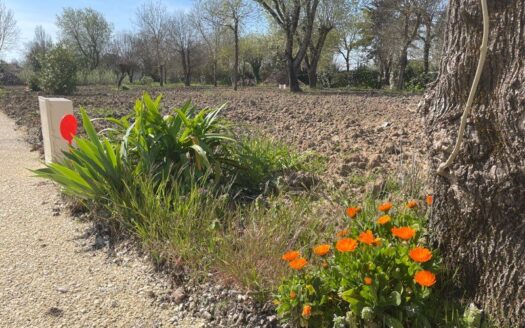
x,y
214,72
315,55
478,219
292,76
426,47
236,64
403,62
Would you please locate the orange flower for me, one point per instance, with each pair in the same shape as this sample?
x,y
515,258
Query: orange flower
x,y
321,250
307,311
298,264
367,237
420,254
290,256
368,281
377,241
412,204
293,295
425,278
404,233
352,211
385,207
384,219
346,245
429,200
342,233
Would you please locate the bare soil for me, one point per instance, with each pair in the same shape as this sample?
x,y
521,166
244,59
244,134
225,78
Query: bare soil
x,y
358,133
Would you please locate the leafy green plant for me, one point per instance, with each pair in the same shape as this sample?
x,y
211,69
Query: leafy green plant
x,y
34,83
185,142
259,162
92,169
58,74
378,273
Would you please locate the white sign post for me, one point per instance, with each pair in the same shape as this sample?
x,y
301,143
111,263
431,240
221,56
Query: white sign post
x,y
52,110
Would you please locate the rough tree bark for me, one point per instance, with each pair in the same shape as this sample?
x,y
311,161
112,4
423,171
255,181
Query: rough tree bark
x,y
478,220
314,56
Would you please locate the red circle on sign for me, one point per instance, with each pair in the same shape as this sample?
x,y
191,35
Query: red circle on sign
x,y
68,127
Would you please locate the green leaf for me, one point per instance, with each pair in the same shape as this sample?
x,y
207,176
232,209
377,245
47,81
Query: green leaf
x,y
394,298
392,322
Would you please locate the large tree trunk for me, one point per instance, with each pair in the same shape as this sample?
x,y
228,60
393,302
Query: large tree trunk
x,y
292,76
403,62
292,69
315,54
478,219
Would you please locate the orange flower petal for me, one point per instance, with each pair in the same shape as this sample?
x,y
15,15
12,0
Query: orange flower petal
x,y
384,219
366,237
321,250
298,264
368,281
342,233
352,211
346,245
307,311
412,204
404,233
420,254
290,256
425,278
385,207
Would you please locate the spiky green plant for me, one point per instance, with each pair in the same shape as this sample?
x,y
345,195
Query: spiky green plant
x,y
91,169
185,142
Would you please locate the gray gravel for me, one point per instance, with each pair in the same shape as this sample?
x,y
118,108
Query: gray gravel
x,y
49,276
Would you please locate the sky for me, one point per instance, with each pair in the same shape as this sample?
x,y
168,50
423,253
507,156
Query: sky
x,y
30,13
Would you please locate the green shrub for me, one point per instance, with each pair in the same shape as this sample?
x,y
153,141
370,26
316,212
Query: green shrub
x,y
186,142
378,274
361,77
146,80
259,162
58,75
34,83
98,76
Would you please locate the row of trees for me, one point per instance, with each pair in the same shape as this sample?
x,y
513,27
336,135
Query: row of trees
x,y
215,41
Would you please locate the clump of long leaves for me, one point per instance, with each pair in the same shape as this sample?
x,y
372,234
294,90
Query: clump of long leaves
x,y
91,170
186,142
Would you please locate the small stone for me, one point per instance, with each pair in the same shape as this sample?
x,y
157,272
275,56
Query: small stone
x,y
62,290
55,312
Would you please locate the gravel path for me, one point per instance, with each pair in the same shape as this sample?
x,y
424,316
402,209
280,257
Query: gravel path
x,y
49,274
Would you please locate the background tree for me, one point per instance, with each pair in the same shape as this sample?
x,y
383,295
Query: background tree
x,y
253,50
231,14
59,71
478,218
152,20
9,32
431,17
87,32
125,56
210,31
37,48
288,15
181,36
350,31
330,14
